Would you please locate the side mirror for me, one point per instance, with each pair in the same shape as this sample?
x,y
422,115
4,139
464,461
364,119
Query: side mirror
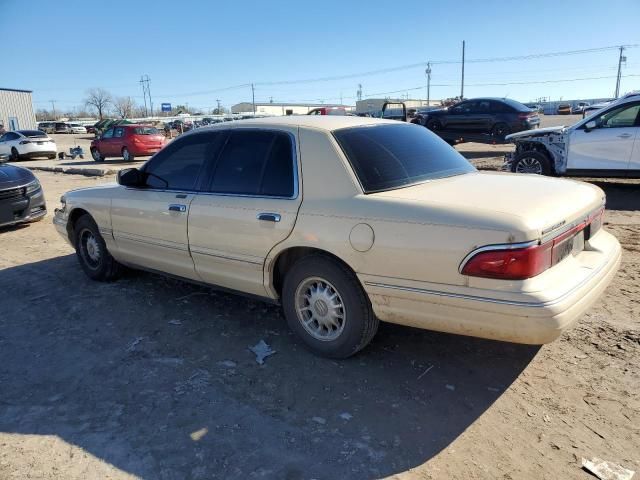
x,y
590,126
130,177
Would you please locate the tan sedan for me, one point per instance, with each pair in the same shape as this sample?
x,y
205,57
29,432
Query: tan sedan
x,y
347,221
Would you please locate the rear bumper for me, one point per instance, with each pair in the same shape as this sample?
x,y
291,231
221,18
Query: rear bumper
x,y
531,318
143,151
38,153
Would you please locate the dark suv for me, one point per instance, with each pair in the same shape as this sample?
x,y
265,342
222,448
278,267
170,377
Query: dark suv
x,y
496,116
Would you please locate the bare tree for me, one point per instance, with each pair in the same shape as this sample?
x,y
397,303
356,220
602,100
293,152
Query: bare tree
x,y
124,106
99,99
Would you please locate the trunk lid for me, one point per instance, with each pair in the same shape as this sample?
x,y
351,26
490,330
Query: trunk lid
x,y
531,205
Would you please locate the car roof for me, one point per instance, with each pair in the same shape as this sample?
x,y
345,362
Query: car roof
x,y
320,122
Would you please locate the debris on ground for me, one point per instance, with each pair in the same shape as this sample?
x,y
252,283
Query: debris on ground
x,y
261,351
606,470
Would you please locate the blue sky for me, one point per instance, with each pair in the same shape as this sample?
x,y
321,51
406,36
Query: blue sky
x,y
190,49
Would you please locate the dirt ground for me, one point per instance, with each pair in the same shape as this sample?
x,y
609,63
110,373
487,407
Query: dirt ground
x,y
152,378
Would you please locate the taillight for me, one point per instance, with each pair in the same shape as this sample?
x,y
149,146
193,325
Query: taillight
x,y
510,264
524,116
24,142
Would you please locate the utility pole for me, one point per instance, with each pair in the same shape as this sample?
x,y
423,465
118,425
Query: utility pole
x,y
218,102
149,92
359,92
253,98
146,90
621,59
462,82
428,73
53,106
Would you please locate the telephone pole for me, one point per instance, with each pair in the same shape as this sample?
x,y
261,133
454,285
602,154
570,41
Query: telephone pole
x,y
462,81
621,59
253,98
359,92
146,90
53,106
218,102
428,73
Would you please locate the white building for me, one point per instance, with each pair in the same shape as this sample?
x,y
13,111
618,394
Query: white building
x,y
282,108
16,109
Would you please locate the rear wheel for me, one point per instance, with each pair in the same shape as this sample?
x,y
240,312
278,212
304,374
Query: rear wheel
x,y
92,253
532,162
326,306
126,154
15,156
97,156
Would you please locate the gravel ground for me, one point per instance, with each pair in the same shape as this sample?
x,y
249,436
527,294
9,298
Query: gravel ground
x,y
152,378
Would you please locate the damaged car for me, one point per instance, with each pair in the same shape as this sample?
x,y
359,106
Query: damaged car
x,y
604,144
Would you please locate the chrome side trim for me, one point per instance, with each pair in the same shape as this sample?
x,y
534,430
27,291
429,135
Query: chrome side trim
x,y
497,246
174,246
224,257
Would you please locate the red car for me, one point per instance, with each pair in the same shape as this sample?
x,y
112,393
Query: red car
x,y
128,142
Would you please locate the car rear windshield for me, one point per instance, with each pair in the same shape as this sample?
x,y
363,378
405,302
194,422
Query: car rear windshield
x,y
388,156
32,133
520,107
146,131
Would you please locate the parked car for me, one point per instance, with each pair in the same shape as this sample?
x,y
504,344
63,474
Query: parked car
x,y
535,107
77,128
606,143
564,109
327,111
21,197
595,107
24,144
496,116
47,127
579,107
347,221
127,141
90,128
61,127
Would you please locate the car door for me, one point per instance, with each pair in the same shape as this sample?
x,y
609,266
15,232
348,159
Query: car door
x,y
459,116
106,143
150,222
479,118
118,141
249,203
610,144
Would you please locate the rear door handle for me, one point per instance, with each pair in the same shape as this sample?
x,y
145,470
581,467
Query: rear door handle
x,y
269,217
624,135
176,207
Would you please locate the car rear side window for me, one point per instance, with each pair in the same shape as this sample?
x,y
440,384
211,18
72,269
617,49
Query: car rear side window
x,y
255,162
180,164
118,132
146,131
385,157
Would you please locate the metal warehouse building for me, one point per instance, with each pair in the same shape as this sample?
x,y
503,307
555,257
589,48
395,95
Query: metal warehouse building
x,y
16,109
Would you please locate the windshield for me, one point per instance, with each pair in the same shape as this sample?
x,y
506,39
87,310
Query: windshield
x,y
387,156
146,131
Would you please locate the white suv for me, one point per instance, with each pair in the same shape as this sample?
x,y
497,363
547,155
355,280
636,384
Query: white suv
x,y
606,143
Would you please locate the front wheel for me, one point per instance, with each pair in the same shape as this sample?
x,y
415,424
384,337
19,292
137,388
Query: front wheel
x,y
326,306
531,162
92,253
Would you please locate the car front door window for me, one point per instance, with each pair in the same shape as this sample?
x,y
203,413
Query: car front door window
x,y
622,117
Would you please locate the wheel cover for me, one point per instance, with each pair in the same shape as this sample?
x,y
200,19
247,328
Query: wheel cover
x,y
95,154
90,249
125,154
320,309
529,165
501,130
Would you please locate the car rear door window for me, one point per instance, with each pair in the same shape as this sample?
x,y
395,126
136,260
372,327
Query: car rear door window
x,y
118,132
108,134
179,165
255,162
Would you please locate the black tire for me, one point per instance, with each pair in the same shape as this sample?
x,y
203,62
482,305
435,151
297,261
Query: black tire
x,y
359,325
97,156
127,155
15,156
434,125
500,130
101,266
51,157
528,158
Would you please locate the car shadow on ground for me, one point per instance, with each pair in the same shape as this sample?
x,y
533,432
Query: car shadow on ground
x,y
154,376
620,195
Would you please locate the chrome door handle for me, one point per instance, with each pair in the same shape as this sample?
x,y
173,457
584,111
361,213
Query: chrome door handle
x,y
176,207
624,135
269,217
